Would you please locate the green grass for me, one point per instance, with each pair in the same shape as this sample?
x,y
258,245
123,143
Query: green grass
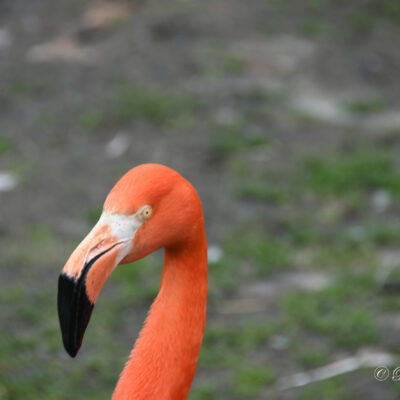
x,y
23,87
226,346
224,63
249,381
265,253
233,65
300,230
362,22
6,143
366,19
233,137
12,294
143,103
139,282
330,389
248,253
383,233
251,189
91,119
48,118
310,357
360,171
389,302
364,106
92,214
153,105
41,235
391,10
222,277
23,167
204,392
314,27
335,312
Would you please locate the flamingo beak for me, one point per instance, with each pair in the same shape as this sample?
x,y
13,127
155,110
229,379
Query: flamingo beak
x,y
83,276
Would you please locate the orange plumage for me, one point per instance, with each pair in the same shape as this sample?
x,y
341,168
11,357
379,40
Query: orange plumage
x,y
151,207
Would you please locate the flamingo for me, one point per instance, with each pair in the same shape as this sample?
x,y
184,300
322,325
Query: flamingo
x,y
150,207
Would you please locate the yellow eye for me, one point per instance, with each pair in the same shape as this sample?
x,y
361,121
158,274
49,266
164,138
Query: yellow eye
x,y
146,212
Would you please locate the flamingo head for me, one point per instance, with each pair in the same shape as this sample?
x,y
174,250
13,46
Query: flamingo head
x,y
149,208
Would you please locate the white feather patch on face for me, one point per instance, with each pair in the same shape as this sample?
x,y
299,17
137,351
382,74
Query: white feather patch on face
x,y
124,227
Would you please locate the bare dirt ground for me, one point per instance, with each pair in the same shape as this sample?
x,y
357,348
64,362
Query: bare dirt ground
x,y
285,115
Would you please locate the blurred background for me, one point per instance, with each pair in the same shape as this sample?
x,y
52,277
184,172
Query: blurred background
x,y
284,114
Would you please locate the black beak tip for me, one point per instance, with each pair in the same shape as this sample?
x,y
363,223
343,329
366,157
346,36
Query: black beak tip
x,y
74,311
72,351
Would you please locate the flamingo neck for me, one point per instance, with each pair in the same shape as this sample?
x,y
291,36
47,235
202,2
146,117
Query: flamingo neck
x,y
163,362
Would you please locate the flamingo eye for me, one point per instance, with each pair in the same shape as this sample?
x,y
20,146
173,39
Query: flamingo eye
x,y
146,212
